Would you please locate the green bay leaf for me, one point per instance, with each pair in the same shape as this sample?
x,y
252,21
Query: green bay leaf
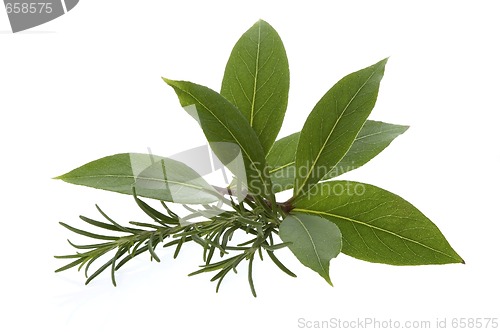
x,y
151,176
373,138
313,240
378,226
257,80
228,133
333,125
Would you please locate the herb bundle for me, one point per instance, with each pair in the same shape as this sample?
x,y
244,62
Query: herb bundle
x,y
242,220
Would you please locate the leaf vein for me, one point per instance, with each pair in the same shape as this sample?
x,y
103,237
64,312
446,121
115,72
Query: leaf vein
x,y
371,226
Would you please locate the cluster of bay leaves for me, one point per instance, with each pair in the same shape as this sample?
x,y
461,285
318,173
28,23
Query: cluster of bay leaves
x,y
323,216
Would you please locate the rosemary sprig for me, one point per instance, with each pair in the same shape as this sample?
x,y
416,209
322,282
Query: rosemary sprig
x,y
214,234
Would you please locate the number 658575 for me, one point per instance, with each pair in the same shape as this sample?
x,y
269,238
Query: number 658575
x,y
29,8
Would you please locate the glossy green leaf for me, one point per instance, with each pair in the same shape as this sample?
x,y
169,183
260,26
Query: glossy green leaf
x,y
313,240
228,133
257,80
333,125
378,226
151,176
373,138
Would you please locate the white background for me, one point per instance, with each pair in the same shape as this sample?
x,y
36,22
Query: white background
x,y
89,85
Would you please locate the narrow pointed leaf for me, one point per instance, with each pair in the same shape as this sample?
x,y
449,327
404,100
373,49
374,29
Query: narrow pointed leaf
x,y
70,265
152,176
281,266
378,226
333,125
314,241
89,234
257,80
228,133
373,138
